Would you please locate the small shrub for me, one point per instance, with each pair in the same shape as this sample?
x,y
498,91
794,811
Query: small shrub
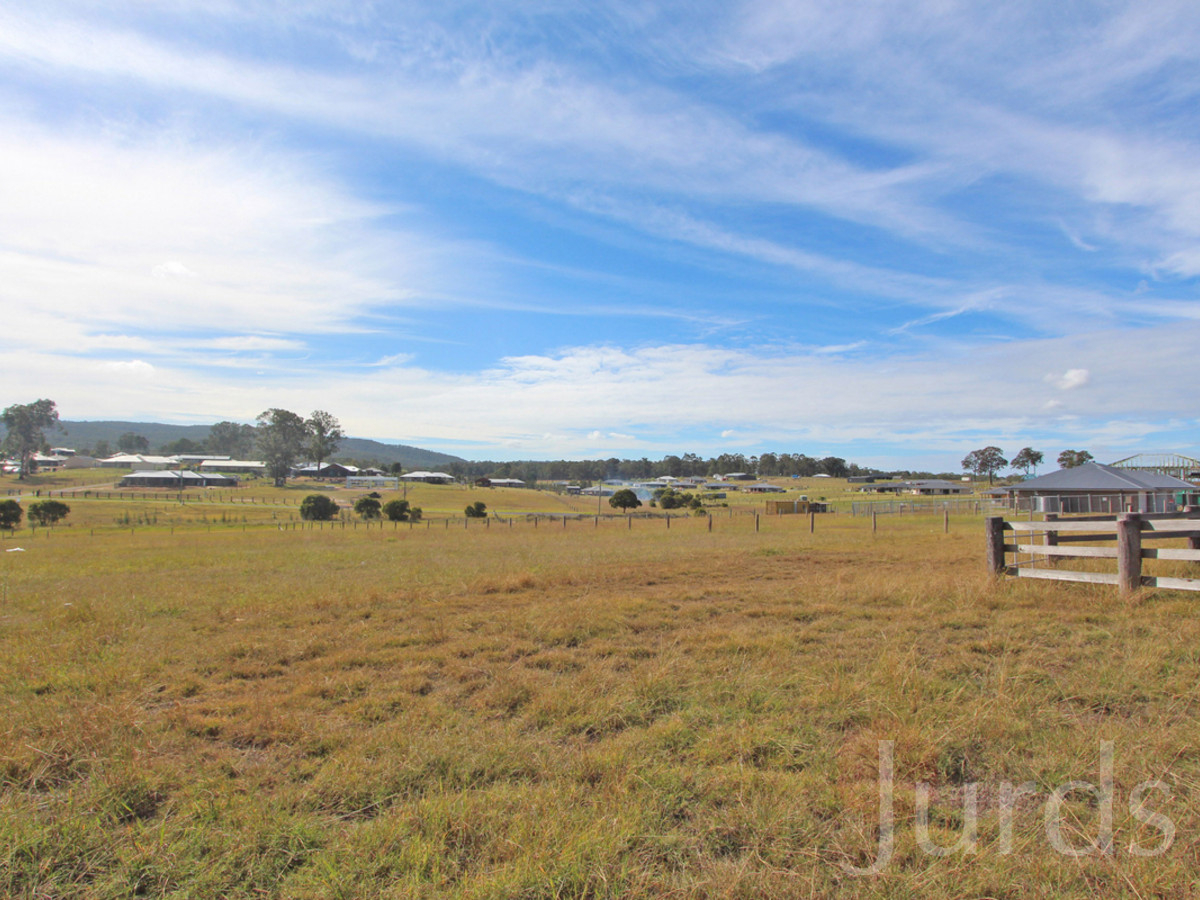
x,y
318,508
48,512
367,507
477,510
396,510
669,498
10,514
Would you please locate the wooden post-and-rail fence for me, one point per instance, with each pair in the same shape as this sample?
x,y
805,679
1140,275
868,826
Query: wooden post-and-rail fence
x,y
1061,537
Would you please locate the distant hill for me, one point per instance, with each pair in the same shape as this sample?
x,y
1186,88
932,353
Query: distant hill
x,y
86,434
410,457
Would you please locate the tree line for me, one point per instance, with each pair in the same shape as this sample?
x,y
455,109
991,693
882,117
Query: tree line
x,y
281,438
677,466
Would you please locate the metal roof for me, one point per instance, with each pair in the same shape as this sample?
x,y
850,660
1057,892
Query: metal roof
x,y
1102,479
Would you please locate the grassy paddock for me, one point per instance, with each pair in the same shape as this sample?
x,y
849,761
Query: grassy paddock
x,y
576,712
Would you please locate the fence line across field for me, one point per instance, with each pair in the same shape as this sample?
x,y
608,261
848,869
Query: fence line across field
x,y
755,521
956,506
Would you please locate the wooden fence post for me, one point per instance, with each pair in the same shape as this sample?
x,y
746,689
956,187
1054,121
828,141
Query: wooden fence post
x,y
993,527
1129,552
946,520
1051,536
812,522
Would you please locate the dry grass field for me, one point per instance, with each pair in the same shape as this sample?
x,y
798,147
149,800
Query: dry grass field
x,y
612,710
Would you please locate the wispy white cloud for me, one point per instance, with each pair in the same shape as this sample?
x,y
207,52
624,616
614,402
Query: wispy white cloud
x,y
543,127
250,343
1095,105
132,367
648,396
172,269
112,241
538,126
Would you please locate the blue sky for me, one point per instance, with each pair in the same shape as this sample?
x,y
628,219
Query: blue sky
x,y
888,232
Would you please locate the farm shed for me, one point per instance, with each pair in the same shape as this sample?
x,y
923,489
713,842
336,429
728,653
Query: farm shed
x,y
428,477
935,486
1096,488
48,463
328,470
139,462
373,481
176,479
246,466
500,482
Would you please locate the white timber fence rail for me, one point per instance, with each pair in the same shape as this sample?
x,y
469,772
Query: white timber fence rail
x,y
1060,537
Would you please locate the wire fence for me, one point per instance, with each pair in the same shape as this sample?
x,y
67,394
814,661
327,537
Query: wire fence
x,y
955,505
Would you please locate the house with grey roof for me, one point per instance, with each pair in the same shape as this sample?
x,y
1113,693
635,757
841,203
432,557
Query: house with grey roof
x,y
500,482
1097,488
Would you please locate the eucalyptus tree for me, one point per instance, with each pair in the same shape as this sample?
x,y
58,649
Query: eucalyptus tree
x,y
26,425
